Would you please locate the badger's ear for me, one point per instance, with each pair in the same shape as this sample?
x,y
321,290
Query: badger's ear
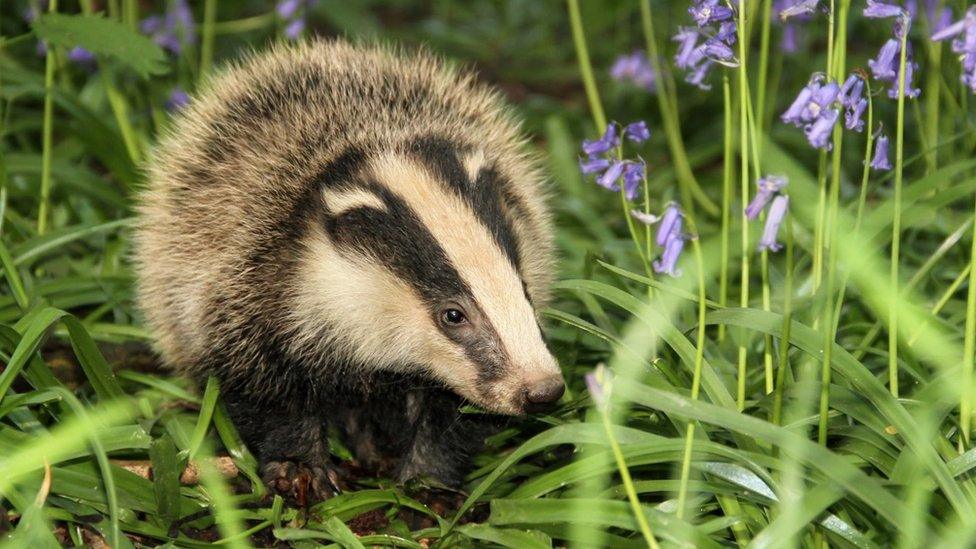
x,y
342,199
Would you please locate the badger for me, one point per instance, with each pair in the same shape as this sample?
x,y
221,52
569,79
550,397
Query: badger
x,y
351,237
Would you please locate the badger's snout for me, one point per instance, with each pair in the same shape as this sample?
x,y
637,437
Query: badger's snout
x,y
541,395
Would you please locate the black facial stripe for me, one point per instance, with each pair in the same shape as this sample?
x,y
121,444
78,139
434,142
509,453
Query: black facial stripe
x,y
484,196
397,239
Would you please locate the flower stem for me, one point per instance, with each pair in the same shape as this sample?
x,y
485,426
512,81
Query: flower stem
x,y
744,184
727,174
625,206
635,505
696,374
46,135
668,105
207,42
969,345
784,343
830,235
896,223
862,198
586,68
767,11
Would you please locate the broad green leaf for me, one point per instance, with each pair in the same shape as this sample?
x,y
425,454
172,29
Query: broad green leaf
x,y
103,37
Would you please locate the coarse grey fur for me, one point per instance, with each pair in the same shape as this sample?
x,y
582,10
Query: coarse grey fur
x,y
308,216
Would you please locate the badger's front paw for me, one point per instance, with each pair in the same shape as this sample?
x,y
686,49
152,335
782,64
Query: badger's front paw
x,y
299,483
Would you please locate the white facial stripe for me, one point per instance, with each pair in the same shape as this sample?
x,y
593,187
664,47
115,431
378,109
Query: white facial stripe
x,y
341,200
473,162
347,295
475,254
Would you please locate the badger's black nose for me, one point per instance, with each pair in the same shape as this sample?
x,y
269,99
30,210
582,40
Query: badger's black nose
x,y
541,395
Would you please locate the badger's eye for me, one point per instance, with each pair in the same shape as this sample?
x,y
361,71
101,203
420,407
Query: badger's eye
x,y
453,317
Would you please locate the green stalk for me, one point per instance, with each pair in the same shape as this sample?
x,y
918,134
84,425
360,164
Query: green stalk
x,y
130,13
931,120
648,241
744,185
896,224
862,197
784,341
969,345
696,375
767,12
830,236
116,101
625,205
207,41
586,68
727,174
47,131
635,505
668,105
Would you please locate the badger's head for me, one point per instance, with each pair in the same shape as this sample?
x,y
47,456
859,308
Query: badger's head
x,y
412,263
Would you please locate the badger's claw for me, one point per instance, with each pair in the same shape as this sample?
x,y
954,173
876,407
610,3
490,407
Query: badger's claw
x,y
299,483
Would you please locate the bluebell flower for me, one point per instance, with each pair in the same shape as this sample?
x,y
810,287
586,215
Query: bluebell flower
x,y
288,8
700,49
880,160
174,30
706,12
963,33
853,117
668,261
720,51
292,12
177,99
910,67
637,132
880,10
687,38
818,133
633,177
635,68
795,113
777,212
608,141
727,33
593,165
598,385
852,100
294,29
608,180
812,101
766,188
885,65
802,7
697,76
670,223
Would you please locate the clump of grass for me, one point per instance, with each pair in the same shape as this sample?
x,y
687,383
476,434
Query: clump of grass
x,y
832,407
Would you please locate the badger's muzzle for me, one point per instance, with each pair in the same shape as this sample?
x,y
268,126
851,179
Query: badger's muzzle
x,y
540,396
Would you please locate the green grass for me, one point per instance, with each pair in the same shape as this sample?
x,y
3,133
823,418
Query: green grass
x,y
796,418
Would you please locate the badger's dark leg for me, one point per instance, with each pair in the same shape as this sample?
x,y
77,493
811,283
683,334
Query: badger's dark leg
x,y
289,440
444,440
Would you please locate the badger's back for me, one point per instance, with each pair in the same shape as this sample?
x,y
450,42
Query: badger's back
x,y
231,183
